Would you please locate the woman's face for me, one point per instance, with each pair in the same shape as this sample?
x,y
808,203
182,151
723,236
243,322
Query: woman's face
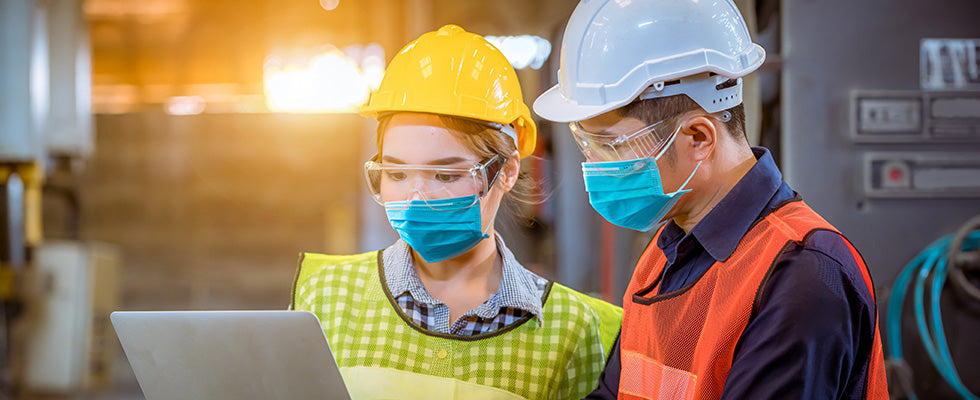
x,y
422,139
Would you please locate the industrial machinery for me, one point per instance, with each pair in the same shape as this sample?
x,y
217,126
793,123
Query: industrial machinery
x,y
52,293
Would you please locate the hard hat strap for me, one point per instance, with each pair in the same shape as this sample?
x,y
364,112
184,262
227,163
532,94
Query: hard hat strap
x,y
507,129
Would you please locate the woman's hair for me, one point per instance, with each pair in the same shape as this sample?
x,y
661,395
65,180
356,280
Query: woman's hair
x,y
483,140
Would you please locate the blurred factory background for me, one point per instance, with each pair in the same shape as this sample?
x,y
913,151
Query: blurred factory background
x,y
178,155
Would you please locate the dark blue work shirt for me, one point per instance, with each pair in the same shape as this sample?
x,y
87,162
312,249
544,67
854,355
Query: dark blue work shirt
x,y
813,334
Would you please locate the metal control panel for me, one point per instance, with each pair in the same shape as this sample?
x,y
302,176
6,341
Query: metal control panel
x,y
915,117
922,174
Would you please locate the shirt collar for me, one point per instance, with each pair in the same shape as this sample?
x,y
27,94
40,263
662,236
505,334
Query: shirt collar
x,y
401,277
722,229
519,288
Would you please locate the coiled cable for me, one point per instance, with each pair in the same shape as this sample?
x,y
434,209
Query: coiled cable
x,y
934,262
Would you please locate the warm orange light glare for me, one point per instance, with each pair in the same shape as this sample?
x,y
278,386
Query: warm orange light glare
x,y
327,82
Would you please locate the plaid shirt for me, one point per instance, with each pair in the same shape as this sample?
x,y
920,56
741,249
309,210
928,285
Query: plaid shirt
x,y
519,295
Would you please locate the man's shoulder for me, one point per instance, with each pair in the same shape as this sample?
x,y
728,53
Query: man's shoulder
x,y
821,265
830,244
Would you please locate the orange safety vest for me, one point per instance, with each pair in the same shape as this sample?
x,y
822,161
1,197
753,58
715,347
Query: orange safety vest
x,y
680,345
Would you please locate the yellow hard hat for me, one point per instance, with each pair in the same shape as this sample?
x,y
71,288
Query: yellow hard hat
x,y
454,72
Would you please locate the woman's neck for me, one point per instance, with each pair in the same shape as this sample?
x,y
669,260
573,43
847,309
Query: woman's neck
x,y
477,264
465,281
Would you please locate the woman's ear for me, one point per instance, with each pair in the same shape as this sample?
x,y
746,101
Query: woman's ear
x,y
703,135
509,172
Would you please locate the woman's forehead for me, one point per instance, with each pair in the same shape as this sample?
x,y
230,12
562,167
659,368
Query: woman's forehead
x,y
421,138
414,118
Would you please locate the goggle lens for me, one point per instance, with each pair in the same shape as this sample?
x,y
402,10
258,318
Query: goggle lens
x,y
401,183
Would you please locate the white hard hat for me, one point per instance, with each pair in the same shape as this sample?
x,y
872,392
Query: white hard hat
x,y
614,51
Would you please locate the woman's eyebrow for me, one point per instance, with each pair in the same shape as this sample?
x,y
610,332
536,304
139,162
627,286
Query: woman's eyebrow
x,y
441,161
447,161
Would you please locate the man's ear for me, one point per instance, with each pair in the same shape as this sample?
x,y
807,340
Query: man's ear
x,y
703,134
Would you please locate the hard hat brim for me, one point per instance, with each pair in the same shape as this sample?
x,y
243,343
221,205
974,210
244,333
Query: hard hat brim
x,y
552,106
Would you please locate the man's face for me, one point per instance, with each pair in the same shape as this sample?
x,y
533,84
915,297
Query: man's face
x,y
646,140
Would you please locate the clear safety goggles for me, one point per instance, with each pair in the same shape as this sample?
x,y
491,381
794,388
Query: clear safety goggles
x,y
642,143
401,183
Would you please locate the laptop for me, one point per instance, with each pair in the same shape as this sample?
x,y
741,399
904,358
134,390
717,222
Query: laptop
x,y
225,355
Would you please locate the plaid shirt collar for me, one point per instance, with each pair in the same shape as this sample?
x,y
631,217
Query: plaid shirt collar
x,y
519,288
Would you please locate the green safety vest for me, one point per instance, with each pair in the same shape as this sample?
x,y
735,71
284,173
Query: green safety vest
x,y
383,355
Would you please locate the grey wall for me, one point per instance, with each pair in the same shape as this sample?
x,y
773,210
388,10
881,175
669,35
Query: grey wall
x,y
831,48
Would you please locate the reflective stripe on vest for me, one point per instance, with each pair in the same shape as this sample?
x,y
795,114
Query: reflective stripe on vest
x,y
680,345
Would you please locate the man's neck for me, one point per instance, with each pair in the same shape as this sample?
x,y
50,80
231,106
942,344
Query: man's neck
x,y
725,175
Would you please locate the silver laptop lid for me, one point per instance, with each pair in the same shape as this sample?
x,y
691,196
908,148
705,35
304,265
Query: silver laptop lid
x,y
219,355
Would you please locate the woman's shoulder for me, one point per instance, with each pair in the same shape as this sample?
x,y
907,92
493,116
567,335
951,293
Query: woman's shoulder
x,y
342,261
318,264
599,320
575,304
331,273
308,258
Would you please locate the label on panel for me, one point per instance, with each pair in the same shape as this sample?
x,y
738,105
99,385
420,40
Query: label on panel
x,y
949,64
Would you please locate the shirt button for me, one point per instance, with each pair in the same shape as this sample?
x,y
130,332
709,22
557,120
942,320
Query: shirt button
x,y
442,354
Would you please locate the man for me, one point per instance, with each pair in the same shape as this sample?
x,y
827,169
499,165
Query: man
x,y
745,292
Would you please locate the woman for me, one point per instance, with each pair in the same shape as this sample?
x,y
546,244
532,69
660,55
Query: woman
x,y
447,312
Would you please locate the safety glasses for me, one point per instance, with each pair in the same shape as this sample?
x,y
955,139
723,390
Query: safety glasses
x,y
645,142
398,184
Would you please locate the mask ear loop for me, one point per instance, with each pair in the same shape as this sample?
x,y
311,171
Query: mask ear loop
x,y
671,141
725,117
490,224
493,171
690,176
681,189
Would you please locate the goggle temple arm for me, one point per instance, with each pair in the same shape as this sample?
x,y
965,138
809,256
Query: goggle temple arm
x,y
491,169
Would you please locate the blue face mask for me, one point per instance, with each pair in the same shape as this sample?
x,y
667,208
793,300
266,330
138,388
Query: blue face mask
x,y
438,229
629,193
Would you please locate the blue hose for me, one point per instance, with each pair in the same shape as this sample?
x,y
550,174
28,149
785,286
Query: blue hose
x,y
931,262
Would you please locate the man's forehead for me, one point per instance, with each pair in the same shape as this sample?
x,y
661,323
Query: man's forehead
x,y
611,123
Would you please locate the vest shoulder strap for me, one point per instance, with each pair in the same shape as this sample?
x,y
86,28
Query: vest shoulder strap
x,y
795,219
607,317
314,263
